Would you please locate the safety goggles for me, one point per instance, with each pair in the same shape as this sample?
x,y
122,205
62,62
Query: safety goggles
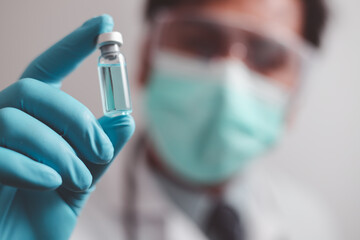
x,y
266,49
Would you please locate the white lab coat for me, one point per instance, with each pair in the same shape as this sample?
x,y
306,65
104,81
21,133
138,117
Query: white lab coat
x,y
272,208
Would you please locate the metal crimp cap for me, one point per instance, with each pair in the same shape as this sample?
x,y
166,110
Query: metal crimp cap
x,y
108,38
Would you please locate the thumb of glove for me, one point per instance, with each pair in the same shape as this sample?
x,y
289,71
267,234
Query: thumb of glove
x,y
119,130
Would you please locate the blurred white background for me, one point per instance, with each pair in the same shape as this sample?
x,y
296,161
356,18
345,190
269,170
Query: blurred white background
x,y
321,151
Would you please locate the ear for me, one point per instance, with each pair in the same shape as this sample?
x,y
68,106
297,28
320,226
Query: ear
x,y
145,65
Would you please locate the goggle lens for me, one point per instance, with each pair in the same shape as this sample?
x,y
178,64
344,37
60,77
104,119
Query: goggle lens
x,y
208,40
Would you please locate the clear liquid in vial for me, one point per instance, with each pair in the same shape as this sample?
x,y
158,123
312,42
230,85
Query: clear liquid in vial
x,y
115,89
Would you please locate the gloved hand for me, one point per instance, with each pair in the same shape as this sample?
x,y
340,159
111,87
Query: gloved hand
x,y
52,149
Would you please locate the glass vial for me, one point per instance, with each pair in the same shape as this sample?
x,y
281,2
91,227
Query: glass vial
x,y
114,84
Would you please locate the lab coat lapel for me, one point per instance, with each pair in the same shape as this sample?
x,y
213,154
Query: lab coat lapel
x,y
159,219
253,197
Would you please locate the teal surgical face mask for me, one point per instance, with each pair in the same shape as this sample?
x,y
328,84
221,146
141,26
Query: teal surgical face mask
x,y
207,120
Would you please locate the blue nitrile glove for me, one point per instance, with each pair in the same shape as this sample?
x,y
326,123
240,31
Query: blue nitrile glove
x,y
52,149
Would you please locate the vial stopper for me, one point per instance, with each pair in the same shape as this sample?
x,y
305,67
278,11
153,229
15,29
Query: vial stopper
x,y
109,37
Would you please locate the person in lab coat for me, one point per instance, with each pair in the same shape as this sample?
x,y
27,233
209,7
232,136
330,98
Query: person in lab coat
x,y
219,80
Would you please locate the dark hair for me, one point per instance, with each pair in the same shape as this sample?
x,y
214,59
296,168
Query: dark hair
x,y
315,15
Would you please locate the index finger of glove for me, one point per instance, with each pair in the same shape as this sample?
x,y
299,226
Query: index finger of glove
x,y
63,57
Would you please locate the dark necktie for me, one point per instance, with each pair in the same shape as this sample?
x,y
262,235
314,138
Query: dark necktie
x,y
224,224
